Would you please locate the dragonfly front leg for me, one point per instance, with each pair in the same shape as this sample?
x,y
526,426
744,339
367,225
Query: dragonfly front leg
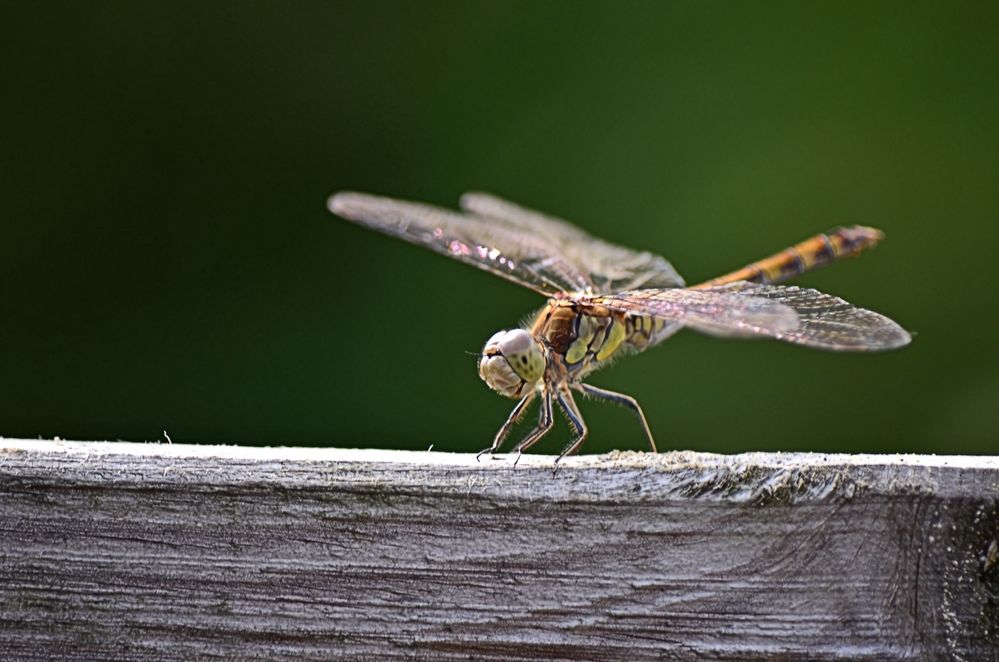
x,y
545,423
511,420
568,404
623,400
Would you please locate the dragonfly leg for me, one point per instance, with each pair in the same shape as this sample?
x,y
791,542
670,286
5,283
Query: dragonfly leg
x,y
568,404
545,423
511,420
624,400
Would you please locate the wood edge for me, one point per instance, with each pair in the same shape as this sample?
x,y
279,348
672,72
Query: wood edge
x,y
430,458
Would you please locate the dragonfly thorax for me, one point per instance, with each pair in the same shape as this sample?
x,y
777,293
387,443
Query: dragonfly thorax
x,y
512,363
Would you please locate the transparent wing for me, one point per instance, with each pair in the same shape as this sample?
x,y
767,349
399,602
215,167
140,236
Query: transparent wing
x,y
527,258
715,313
791,314
826,321
612,268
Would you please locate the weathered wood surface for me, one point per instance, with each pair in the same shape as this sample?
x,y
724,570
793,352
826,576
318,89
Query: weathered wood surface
x,y
130,551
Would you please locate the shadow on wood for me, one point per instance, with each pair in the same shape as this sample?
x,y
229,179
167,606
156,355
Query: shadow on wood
x,y
133,551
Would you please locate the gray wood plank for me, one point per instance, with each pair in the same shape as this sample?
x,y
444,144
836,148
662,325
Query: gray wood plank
x,y
154,551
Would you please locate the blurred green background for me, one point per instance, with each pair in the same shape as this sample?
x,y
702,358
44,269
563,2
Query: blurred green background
x,y
168,262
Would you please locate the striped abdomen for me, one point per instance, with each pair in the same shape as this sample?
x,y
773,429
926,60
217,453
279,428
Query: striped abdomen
x,y
815,252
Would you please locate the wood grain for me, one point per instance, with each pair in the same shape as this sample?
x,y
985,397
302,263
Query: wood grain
x,y
151,551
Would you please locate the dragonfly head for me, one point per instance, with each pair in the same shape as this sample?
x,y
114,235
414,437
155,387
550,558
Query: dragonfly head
x,y
512,363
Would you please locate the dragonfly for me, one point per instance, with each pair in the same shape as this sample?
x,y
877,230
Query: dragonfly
x,y
605,301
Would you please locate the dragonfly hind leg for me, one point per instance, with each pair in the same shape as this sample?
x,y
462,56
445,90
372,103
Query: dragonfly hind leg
x,y
623,400
568,405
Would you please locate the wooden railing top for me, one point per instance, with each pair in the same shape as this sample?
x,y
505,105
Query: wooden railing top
x,y
431,457
131,551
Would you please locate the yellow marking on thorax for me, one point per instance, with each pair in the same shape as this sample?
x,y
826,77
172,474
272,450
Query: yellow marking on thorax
x,y
581,345
615,336
592,333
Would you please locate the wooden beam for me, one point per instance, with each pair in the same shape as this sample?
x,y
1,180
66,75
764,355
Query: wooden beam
x,y
138,551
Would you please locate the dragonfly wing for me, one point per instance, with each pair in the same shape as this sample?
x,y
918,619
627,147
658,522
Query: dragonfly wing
x,y
714,313
526,258
612,268
791,314
826,321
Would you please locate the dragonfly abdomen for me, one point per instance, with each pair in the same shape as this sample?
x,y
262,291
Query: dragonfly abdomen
x,y
814,252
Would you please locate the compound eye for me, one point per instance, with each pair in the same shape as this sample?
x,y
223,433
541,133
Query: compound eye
x,y
512,342
523,353
492,345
